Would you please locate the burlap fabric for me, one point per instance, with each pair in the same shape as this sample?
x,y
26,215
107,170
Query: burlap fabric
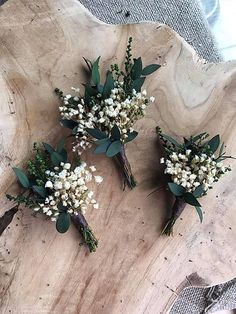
x,y
184,16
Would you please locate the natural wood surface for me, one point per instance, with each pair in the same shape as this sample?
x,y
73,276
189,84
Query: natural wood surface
x,y
135,269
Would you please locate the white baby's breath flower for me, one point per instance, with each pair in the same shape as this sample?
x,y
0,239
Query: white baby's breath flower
x,y
67,166
58,185
49,185
45,209
98,179
67,185
90,194
92,168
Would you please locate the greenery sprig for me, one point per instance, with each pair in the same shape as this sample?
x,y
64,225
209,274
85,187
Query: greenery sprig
x,y
56,188
192,167
106,113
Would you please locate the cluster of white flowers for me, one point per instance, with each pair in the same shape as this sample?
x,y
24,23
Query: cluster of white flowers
x,y
69,188
191,171
104,114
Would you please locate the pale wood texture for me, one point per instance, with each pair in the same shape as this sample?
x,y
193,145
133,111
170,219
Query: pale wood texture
x,y
135,269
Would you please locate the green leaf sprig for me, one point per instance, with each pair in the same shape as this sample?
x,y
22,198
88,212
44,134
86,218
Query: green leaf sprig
x,y
192,166
107,111
48,187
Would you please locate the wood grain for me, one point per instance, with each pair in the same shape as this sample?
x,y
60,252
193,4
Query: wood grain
x,y
135,270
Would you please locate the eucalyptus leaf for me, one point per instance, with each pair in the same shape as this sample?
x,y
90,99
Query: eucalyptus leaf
x,y
150,69
214,143
56,158
48,148
61,145
191,199
114,149
63,153
100,88
63,222
115,133
96,133
136,70
103,140
108,86
87,98
70,124
40,190
137,84
102,148
21,177
131,136
198,191
74,130
176,189
89,90
95,72
199,211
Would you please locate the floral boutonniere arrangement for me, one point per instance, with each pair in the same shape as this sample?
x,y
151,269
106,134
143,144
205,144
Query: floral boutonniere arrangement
x,y
106,113
192,168
58,189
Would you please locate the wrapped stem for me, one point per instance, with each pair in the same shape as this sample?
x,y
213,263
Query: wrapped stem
x,y
126,168
85,231
177,210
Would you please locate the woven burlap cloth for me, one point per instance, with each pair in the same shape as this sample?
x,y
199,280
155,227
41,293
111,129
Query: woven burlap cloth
x,y
187,19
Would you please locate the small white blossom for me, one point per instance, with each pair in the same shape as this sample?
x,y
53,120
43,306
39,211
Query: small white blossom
x,y
98,179
67,185
92,168
67,166
162,160
90,194
49,185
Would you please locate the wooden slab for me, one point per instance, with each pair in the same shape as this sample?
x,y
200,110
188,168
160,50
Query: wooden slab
x,y
135,270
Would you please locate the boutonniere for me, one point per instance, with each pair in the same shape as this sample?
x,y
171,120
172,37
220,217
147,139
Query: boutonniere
x,y
105,114
58,189
192,168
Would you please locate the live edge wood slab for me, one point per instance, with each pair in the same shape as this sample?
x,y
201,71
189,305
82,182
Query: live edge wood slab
x,y
135,269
